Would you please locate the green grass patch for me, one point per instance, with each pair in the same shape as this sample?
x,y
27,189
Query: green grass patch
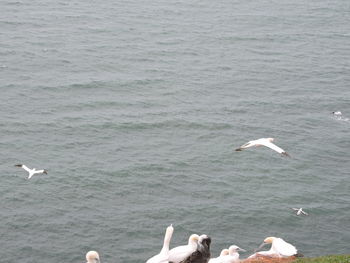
x,y
325,259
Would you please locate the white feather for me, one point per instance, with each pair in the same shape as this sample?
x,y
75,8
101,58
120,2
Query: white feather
x,y
163,256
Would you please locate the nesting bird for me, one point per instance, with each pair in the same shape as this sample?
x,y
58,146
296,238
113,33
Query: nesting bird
x,y
163,256
92,257
263,142
279,248
180,253
219,259
202,253
31,171
233,254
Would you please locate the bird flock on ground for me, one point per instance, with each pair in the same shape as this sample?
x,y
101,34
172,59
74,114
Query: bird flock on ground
x,y
197,250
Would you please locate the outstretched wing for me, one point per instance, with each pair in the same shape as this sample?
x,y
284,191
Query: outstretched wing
x,y
26,168
275,148
40,172
246,145
304,213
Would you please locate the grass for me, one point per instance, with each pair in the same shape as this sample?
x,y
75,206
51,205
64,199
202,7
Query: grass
x,y
325,259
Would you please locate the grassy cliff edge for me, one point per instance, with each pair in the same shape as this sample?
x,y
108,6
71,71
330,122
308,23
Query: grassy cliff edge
x,y
325,259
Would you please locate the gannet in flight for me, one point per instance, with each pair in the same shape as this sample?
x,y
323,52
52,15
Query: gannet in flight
x,y
92,257
279,248
219,259
263,142
178,254
163,256
31,171
300,211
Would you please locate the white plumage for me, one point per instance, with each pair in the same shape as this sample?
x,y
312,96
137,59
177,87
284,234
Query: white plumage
x,y
233,254
263,142
31,171
219,259
92,257
180,253
300,211
163,256
279,248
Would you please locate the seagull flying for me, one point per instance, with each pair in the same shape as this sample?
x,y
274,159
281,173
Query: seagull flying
x,y
263,142
300,211
31,171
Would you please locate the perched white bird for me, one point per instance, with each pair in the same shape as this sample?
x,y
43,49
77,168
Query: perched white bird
x,y
263,142
31,171
233,254
218,259
177,254
279,248
300,211
202,253
92,257
163,256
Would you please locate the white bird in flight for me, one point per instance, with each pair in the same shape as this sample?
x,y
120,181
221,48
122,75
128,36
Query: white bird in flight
x,y
31,171
300,211
178,254
263,142
279,248
92,257
163,256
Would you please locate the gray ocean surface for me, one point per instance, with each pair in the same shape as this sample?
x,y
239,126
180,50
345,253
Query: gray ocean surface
x,y
135,109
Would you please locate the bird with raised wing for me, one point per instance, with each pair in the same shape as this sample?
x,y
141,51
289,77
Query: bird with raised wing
x,y
300,211
264,142
31,171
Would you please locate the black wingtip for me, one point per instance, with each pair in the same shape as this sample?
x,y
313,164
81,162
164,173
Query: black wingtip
x,y
286,154
18,165
238,150
299,255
